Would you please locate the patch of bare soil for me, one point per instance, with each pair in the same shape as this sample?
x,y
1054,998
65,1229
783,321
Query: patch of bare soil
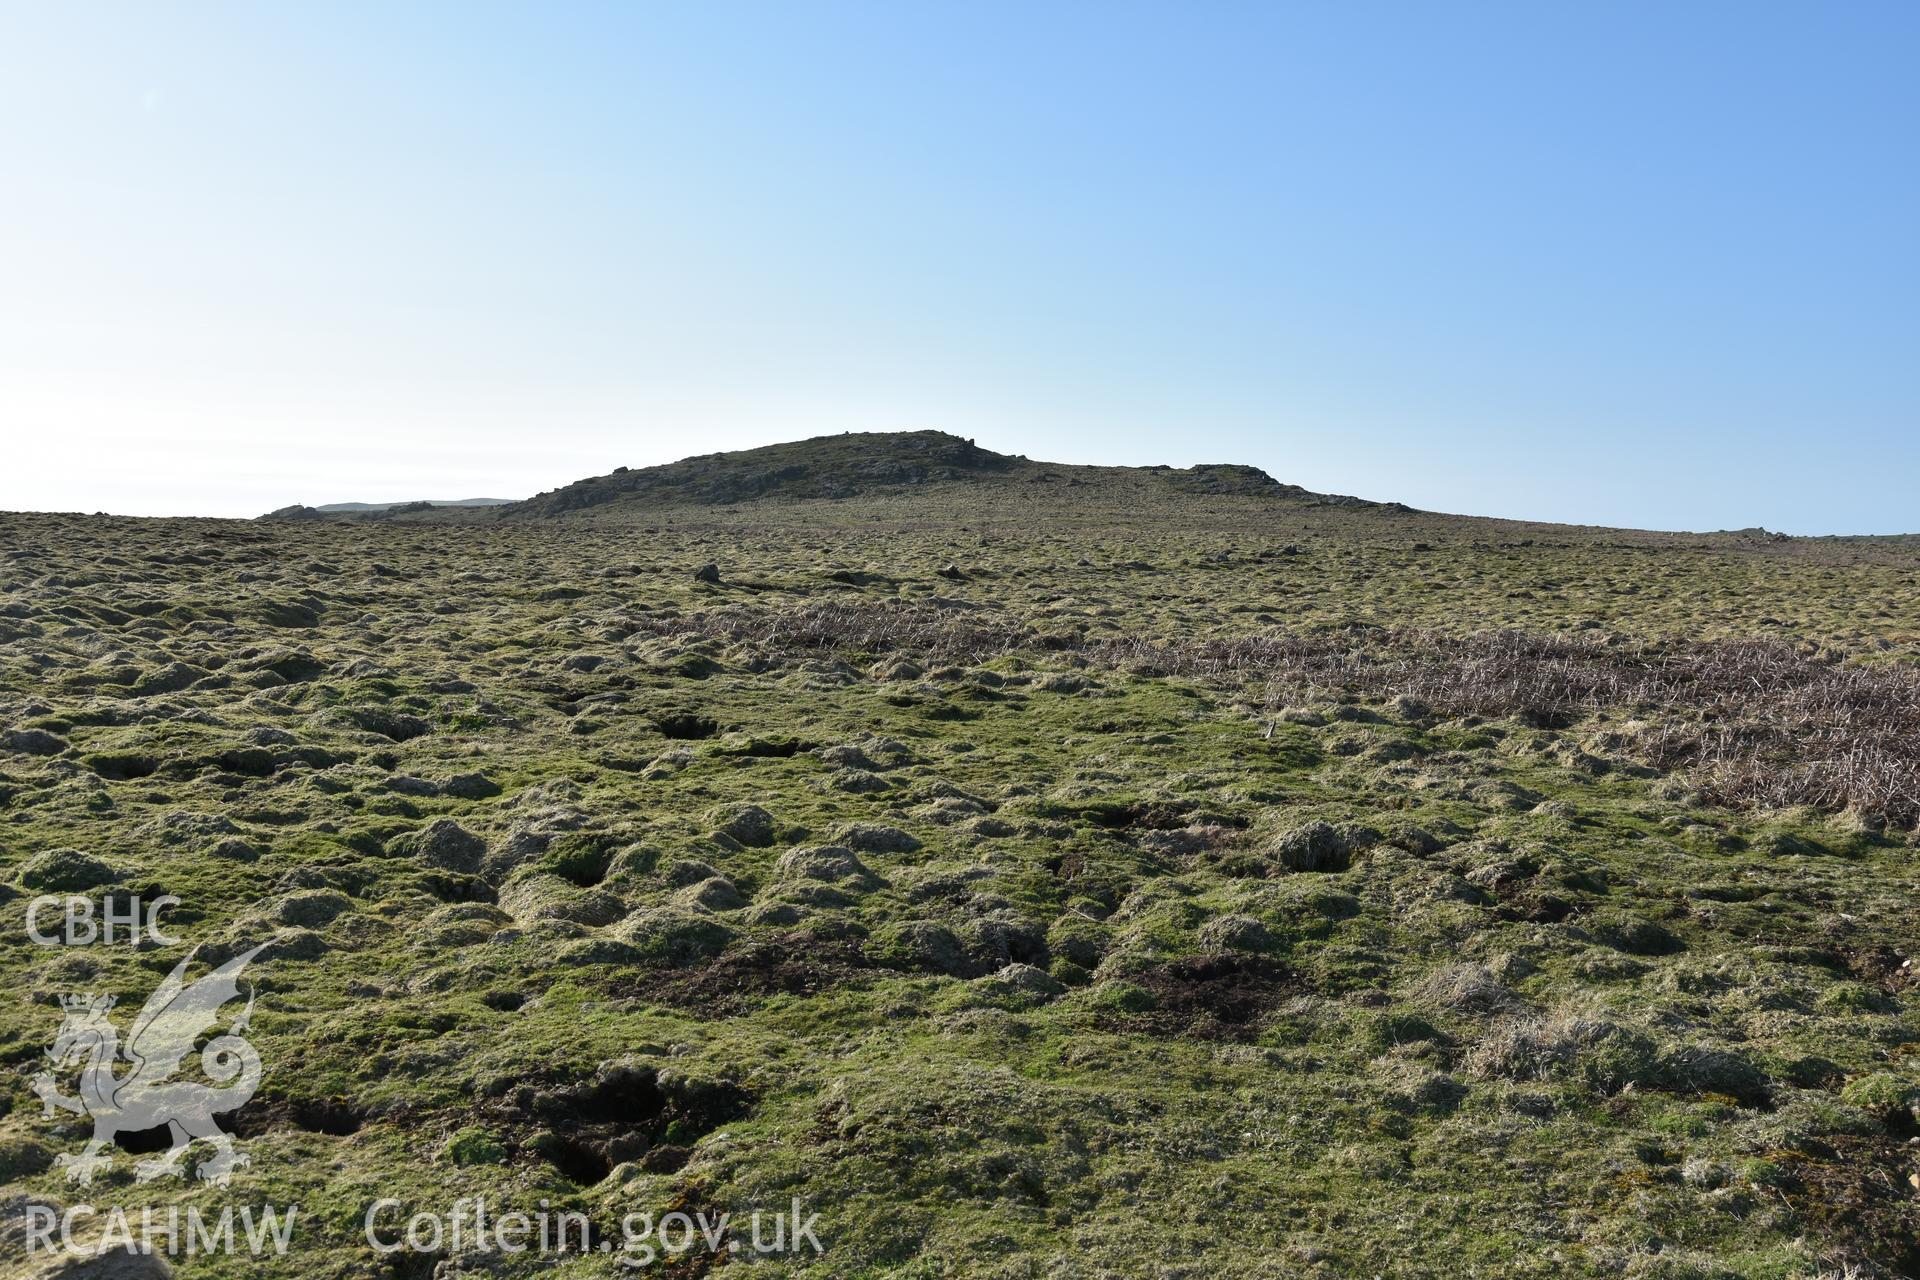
x,y
1863,1199
744,975
1884,968
1210,997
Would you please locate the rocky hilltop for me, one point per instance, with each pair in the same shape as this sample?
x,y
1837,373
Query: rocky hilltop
x,y
852,465
866,464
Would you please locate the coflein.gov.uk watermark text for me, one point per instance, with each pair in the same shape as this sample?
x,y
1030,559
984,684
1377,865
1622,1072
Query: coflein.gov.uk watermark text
x,y
467,1226
472,1226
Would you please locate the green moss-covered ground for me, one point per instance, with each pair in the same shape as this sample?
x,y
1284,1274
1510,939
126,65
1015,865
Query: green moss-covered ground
x,y
1008,957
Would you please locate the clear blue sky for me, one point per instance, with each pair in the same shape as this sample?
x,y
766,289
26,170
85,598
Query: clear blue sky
x,y
1651,264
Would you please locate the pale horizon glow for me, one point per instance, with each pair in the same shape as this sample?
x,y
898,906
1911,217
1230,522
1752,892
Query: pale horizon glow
x,y
1634,265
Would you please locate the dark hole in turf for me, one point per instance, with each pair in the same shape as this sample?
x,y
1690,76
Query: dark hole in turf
x,y
578,1162
623,1115
408,1264
330,1116
581,862
252,763
334,1117
631,1099
778,749
686,726
1151,817
144,1142
665,1159
124,767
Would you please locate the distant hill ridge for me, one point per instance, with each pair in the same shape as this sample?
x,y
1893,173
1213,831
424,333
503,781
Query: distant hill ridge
x,y
431,502
856,464
382,510
827,468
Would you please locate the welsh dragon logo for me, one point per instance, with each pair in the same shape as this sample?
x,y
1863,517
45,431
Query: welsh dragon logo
x,y
146,1096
